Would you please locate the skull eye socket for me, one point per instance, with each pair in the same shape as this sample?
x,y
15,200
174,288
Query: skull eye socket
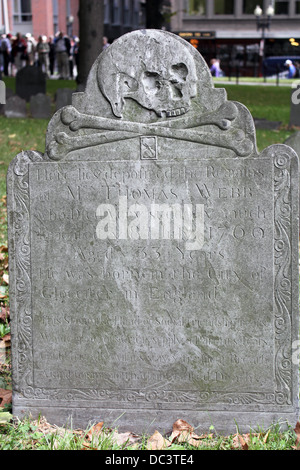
x,y
151,81
179,72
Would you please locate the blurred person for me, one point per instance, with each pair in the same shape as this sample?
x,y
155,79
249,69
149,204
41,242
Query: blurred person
x,y
5,48
43,54
105,43
31,46
215,68
51,54
62,52
19,52
76,54
71,58
291,69
7,54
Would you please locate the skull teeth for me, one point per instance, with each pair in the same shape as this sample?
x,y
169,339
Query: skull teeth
x,y
173,112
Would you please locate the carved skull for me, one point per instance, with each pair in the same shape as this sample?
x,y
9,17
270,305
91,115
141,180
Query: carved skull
x,y
151,72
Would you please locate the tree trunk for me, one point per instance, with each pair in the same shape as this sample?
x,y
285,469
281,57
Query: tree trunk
x,y
91,36
154,18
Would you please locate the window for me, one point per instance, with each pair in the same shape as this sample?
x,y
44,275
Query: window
x,y
22,11
281,8
298,8
250,5
126,13
116,12
224,7
196,7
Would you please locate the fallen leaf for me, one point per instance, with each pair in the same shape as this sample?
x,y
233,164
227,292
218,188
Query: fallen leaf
x,y
5,397
157,442
184,432
266,436
241,441
5,278
181,425
95,431
125,438
4,314
297,431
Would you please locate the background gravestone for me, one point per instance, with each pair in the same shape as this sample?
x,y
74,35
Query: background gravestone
x,y
63,97
294,142
15,107
40,106
8,94
30,81
154,254
295,107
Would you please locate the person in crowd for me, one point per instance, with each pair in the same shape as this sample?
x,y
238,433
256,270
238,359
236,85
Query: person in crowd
x,y
215,68
19,52
62,53
76,54
105,43
5,52
31,47
291,69
51,54
43,54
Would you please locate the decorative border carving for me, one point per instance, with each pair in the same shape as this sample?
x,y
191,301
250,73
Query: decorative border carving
x,y
282,306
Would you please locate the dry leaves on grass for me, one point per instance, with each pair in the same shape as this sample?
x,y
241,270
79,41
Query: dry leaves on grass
x,y
4,314
297,431
5,397
157,442
182,432
98,431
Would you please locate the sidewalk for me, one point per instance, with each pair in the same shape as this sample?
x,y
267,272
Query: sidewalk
x,y
253,81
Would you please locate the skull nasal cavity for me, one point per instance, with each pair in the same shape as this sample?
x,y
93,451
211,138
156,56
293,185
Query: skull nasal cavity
x,y
180,71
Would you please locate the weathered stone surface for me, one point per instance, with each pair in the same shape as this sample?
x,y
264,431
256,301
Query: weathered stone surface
x,y
30,81
123,316
40,106
15,107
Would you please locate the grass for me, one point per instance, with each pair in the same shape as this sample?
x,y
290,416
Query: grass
x,y
39,435
267,102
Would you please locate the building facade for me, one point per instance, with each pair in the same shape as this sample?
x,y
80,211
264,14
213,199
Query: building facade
x,y
227,30
46,17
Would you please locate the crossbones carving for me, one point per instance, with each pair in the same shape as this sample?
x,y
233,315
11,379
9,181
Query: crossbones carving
x,y
181,128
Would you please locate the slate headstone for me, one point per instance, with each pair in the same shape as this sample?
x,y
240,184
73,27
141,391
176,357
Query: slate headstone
x,y
30,81
154,254
15,107
8,94
295,105
40,106
63,97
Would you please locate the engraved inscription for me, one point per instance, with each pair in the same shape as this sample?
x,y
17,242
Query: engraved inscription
x,y
133,295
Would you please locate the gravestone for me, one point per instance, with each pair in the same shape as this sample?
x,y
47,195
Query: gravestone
x,y
40,106
154,254
63,97
30,81
8,94
295,105
294,142
15,107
